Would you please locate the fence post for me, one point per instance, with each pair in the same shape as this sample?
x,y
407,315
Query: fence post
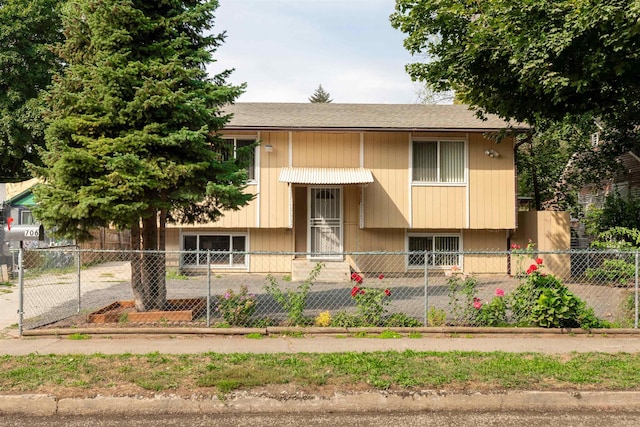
x,y
78,278
426,285
208,288
635,319
20,288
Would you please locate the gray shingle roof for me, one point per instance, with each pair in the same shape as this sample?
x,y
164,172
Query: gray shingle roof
x,y
359,116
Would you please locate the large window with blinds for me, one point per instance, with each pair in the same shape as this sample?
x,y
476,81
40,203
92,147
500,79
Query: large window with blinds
x,y
439,251
439,162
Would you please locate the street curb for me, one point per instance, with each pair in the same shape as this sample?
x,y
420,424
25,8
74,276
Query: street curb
x,y
246,402
453,330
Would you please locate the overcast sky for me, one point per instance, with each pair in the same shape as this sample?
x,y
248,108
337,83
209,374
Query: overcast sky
x,y
283,49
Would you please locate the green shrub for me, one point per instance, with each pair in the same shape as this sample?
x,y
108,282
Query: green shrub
x,y
401,320
494,313
293,302
436,317
461,295
370,304
612,271
343,319
236,309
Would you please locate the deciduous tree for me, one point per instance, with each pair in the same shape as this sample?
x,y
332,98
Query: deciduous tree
x,y
27,28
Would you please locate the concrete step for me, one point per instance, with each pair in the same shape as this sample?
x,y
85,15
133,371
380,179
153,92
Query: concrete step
x,y
332,271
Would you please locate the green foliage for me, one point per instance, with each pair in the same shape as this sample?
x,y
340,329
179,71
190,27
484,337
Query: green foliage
x,y
544,301
293,302
401,320
342,319
27,27
525,297
370,304
494,313
320,96
132,128
436,317
236,309
461,295
555,308
617,212
619,268
545,58
612,271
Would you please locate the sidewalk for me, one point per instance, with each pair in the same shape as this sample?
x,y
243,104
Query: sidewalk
x,y
191,344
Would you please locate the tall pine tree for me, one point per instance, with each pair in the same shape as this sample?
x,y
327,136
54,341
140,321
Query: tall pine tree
x,y
132,128
320,96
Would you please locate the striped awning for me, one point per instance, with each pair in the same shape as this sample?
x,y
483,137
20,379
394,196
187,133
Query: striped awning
x,y
326,176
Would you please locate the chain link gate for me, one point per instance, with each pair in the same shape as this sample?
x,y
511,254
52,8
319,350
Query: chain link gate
x,y
68,287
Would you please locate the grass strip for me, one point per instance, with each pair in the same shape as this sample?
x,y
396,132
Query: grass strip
x,y
214,373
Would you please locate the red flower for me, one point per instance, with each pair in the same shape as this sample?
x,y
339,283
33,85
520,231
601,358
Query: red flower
x,y
381,276
499,292
355,291
477,304
538,261
532,268
387,292
515,246
356,277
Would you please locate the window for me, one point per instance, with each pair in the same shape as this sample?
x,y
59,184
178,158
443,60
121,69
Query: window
x,y
223,249
439,161
442,250
241,149
26,218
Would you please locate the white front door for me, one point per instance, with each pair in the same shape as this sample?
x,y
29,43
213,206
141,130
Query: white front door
x,y
325,222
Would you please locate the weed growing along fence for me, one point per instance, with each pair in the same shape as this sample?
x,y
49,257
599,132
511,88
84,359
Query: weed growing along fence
x,y
63,287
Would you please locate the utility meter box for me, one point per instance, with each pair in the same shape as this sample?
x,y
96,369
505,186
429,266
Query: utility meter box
x,y
22,232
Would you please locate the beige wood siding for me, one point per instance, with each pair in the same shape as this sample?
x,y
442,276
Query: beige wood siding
x,y
485,240
379,240
492,192
386,200
439,207
326,150
274,195
271,240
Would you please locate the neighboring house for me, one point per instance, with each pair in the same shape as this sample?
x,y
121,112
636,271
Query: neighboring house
x,y
334,178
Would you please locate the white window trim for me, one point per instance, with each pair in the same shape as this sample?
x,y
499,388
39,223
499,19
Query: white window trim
x,y
244,266
437,267
464,183
256,154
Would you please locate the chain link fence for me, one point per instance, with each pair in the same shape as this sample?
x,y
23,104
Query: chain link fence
x,y
68,287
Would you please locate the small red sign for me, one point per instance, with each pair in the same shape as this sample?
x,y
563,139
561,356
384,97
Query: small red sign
x,y
9,221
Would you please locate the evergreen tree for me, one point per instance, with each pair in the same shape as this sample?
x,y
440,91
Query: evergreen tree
x,y
132,126
26,66
320,96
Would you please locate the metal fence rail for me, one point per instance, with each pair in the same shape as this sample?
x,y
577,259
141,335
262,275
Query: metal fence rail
x,y
63,287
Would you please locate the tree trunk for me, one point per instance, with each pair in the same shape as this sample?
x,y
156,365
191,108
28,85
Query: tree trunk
x,y
136,272
151,292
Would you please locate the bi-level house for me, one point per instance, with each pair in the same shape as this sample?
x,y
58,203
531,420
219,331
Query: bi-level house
x,y
335,178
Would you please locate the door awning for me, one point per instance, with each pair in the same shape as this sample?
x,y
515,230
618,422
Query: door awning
x,y
326,176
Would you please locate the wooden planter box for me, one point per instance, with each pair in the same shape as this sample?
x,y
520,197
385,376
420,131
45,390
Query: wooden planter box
x,y
177,310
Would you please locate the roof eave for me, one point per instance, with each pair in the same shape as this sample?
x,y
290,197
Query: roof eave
x,y
365,129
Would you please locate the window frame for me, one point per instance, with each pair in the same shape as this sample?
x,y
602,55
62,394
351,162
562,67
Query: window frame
x,y
433,236
439,141
256,153
201,262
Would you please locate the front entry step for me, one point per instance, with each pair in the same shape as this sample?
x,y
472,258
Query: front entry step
x,y
332,271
